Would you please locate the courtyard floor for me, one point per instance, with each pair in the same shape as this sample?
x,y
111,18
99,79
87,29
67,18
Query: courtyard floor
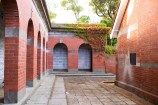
x,y
81,90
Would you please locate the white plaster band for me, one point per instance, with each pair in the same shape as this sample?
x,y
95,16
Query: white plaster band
x,y
49,51
11,31
142,65
128,29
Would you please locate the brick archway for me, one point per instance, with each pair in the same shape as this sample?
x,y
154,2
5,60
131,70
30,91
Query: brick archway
x,y
30,72
85,58
39,56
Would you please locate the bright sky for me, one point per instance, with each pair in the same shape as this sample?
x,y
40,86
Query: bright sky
x,y
65,16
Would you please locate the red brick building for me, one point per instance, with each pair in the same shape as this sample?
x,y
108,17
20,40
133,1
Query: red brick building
x,y
26,52
67,52
24,26
24,57
136,27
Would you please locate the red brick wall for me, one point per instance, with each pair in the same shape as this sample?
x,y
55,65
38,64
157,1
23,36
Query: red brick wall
x,y
110,64
17,15
98,62
73,44
141,79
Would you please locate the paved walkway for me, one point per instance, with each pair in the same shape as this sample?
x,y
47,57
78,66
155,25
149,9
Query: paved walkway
x,y
87,91
92,91
78,90
42,94
58,96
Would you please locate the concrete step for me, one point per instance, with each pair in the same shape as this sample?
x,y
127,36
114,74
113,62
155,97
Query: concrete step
x,y
89,74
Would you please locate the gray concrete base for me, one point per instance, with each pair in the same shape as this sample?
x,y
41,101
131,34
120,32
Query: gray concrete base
x,y
14,97
39,77
47,72
52,71
31,83
73,70
43,73
98,71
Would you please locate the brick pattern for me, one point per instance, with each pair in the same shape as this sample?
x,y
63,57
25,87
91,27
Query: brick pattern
x,y
39,57
44,56
11,48
142,80
98,61
111,64
30,53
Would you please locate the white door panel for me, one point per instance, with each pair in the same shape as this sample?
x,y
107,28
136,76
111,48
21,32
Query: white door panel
x,y
60,58
84,57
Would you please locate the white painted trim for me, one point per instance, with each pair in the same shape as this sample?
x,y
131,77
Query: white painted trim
x,y
119,18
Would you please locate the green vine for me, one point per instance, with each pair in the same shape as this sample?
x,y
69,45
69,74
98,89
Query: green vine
x,y
94,34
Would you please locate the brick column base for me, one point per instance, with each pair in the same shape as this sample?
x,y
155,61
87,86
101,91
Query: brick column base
x,y
14,97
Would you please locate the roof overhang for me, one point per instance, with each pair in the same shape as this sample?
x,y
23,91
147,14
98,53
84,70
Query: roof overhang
x,y
119,17
42,8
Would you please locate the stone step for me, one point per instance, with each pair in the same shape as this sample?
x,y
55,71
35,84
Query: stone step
x,y
91,74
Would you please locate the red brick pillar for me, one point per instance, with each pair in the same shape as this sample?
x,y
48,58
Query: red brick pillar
x,y
46,51
15,66
31,68
98,62
30,64
39,57
15,54
72,61
44,57
43,61
49,60
39,62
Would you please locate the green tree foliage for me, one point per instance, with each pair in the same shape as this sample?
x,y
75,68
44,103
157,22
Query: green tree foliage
x,y
104,8
110,49
84,19
73,6
110,41
106,21
52,16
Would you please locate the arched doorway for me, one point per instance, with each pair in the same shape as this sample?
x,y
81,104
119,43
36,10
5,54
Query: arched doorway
x,y
85,58
60,57
29,55
39,56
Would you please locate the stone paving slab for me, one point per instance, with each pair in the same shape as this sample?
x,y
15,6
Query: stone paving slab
x,y
42,94
58,96
88,91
